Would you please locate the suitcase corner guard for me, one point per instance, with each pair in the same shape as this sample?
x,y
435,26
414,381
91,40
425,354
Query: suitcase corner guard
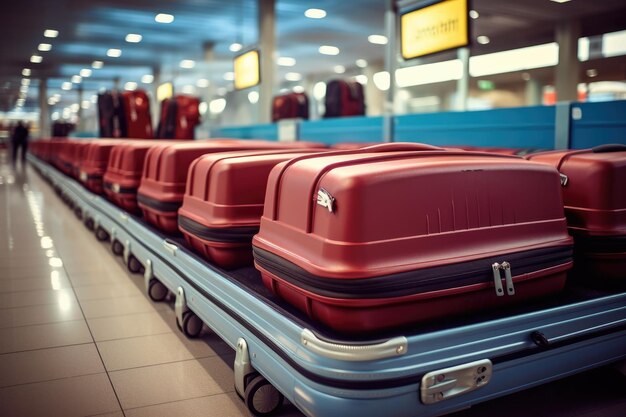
x,y
396,346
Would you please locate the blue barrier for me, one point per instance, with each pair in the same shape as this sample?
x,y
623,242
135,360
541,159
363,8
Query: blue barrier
x,y
263,131
344,129
595,124
520,127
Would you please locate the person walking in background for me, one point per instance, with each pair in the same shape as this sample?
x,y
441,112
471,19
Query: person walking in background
x,y
19,140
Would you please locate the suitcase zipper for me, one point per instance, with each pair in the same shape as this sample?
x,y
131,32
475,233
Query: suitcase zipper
x,y
418,281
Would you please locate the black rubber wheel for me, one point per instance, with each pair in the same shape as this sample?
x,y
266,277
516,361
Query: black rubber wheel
x,y
157,291
134,265
192,325
117,248
79,213
102,234
262,399
89,223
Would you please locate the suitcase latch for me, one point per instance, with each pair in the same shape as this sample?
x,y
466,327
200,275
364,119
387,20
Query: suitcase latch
x,y
508,278
324,199
448,383
564,179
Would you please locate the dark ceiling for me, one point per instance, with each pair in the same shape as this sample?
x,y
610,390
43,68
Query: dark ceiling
x,y
88,28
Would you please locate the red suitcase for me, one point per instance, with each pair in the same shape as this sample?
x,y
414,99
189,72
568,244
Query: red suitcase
x,y
123,174
344,98
594,192
290,106
350,146
94,164
165,174
137,111
385,237
223,203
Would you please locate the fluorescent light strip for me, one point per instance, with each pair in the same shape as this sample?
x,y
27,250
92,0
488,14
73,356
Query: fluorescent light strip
x,y
521,59
329,50
315,13
164,18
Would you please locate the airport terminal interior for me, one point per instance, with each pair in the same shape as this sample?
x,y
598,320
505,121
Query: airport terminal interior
x,y
313,208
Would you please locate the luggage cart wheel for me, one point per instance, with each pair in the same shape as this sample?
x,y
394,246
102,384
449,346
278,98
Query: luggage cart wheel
x,y
191,325
117,248
262,399
78,212
134,265
156,290
89,223
101,234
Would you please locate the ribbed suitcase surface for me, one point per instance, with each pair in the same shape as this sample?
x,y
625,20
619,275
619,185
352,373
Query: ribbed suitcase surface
x,y
401,233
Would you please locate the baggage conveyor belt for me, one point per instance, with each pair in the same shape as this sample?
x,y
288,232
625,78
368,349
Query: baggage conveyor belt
x,y
424,371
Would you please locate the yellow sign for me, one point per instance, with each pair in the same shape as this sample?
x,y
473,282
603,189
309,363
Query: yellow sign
x,y
435,28
247,72
164,91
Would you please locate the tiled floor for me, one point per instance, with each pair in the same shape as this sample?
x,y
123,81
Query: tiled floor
x,y
78,337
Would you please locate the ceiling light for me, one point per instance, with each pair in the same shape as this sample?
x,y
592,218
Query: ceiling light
x,y
285,61
474,14
217,106
187,63
339,69
50,33
164,18
293,76
253,97
522,59
97,64
147,79
315,13
85,72
36,59
560,1
235,47
483,40
75,107
133,38
66,86
114,53
44,47
329,50
361,63
202,83
24,89
377,39
382,80
203,107
77,79
362,79
85,104
229,76
592,73
130,86
94,98
429,73
55,115
298,89
52,101
25,81
26,72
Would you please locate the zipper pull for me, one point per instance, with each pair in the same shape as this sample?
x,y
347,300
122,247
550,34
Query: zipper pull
x,y
497,280
508,277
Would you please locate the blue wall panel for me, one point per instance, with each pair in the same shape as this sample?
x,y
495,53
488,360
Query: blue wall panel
x,y
598,123
345,129
265,131
520,127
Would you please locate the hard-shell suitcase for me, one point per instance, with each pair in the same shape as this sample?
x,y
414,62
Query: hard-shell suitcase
x,y
397,234
187,116
594,193
167,120
123,174
94,164
111,115
164,176
137,113
290,106
223,203
344,98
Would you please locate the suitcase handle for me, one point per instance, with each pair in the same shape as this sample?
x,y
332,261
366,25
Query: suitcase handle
x,y
399,147
610,147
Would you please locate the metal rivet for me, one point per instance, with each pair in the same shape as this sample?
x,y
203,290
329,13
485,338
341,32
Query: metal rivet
x,y
400,349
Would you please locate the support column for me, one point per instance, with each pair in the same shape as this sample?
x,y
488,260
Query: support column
x,y
533,92
155,106
391,31
267,45
462,85
44,110
566,71
81,120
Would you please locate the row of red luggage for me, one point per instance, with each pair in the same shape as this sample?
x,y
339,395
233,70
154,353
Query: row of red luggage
x,y
385,236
